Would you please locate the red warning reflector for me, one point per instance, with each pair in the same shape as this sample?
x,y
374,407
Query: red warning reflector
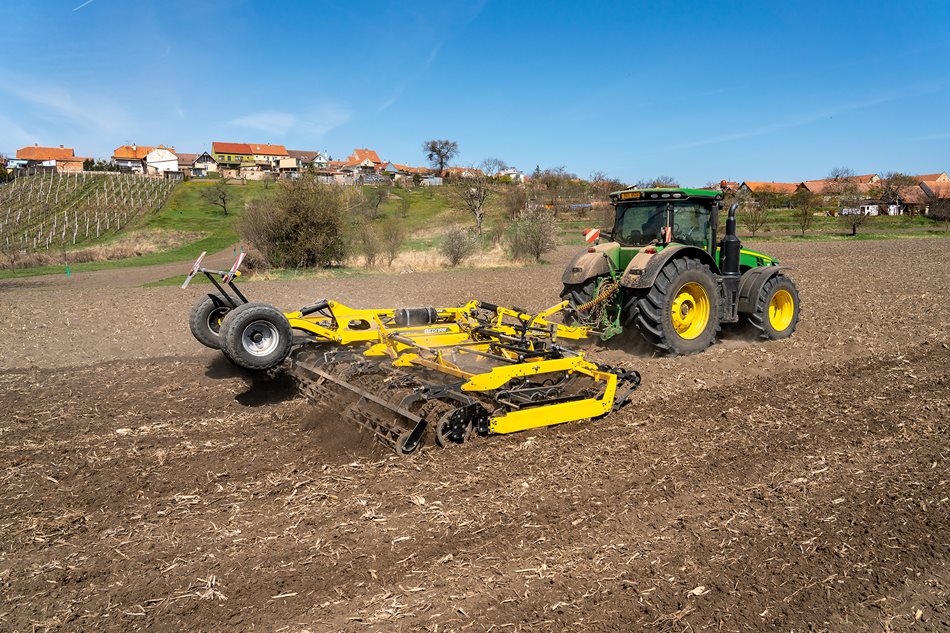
x,y
591,235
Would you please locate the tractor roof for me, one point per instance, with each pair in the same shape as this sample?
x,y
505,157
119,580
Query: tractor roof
x,y
665,193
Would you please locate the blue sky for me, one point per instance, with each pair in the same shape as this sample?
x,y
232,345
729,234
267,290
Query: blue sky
x,y
697,90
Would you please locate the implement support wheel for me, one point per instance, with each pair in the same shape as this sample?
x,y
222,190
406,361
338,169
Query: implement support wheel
x,y
205,320
256,336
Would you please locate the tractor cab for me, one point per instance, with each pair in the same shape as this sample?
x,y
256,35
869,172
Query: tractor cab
x,y
663,216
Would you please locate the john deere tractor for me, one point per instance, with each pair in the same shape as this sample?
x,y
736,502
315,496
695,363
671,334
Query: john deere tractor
x,y
664,272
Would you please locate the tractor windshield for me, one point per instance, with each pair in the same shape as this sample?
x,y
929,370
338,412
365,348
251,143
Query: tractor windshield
x,y
639,223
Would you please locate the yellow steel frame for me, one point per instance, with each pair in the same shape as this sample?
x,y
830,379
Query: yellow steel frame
x,y
424,346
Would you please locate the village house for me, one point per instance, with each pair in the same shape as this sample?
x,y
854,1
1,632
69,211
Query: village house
x,y
232,155
60,159
514,175
268,157
162,161
310,158
781,188
937,178
131,158
196,165
363,161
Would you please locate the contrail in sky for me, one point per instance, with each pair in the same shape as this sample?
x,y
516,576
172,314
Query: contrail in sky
x,y
83,4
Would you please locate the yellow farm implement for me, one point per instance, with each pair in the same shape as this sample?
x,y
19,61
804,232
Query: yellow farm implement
x,y
475,369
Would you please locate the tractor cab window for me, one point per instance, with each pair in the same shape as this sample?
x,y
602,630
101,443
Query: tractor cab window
x,y
690,223
639,223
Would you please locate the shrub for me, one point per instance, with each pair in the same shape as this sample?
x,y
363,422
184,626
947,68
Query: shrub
x,y
458,244
369,244
301,225
532,234
393,235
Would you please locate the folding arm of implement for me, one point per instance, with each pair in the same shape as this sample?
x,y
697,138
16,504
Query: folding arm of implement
x,y
227,278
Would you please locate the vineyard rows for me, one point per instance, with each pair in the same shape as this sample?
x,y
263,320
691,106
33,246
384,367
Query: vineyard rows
x,y
54,210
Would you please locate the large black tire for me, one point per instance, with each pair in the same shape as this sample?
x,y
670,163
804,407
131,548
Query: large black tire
x,y
205,320
776,308
687,286
577,294
256,336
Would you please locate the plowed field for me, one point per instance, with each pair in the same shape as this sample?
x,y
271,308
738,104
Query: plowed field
x,y
762,486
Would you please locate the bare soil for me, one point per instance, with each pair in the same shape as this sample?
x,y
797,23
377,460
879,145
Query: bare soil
x,y
799,485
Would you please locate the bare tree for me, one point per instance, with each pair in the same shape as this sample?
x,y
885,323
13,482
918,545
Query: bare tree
x,y
471,195
369,244
892,186
804,202
440,152
219,195
659,181
938,206
755,213
491,166
845,191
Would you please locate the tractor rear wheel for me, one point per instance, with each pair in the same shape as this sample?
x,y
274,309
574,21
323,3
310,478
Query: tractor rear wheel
x,y
205,320
256,336
776,308
577,294
680,313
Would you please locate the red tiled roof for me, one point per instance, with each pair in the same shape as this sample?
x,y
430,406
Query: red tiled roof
x,y
269,150
44,153
941,177
775,187
821,186
132,152
187,159
231,148
939,189
359,155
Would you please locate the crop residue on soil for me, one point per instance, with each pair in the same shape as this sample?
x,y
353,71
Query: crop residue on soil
x,y
797,485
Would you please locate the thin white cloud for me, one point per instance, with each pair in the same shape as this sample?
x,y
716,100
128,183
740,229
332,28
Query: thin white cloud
x,y
783,125
317,122
270,121
932,137
16,134
87,2
60,105
325,118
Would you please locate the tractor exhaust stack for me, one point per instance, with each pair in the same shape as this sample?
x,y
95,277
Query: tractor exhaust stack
x,y
731,245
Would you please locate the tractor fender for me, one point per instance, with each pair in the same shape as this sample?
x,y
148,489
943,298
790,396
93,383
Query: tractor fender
x,y
590,262
751,283
643,269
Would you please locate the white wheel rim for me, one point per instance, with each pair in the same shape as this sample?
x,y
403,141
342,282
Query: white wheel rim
x,y
260,338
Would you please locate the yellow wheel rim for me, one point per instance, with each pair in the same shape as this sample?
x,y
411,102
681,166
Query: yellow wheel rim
x,y
690,310
781,310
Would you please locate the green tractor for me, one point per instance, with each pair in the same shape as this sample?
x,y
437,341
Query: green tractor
x,y
664,273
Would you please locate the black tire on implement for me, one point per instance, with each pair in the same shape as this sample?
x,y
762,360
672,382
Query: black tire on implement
x,y
577,294
770,305
256,336
205,320
651,310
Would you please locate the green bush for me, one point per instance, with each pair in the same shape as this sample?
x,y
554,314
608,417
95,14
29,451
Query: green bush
x,y
532,234
302,225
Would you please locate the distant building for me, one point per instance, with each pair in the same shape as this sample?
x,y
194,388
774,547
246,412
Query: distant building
x,y
161,161
232,155
131,157
267,157
783,188
310,158
60,159
197,165
515,175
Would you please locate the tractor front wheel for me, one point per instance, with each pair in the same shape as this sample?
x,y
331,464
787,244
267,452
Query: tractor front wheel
x,y
205,320
776,308
577,294
256,336
680,313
